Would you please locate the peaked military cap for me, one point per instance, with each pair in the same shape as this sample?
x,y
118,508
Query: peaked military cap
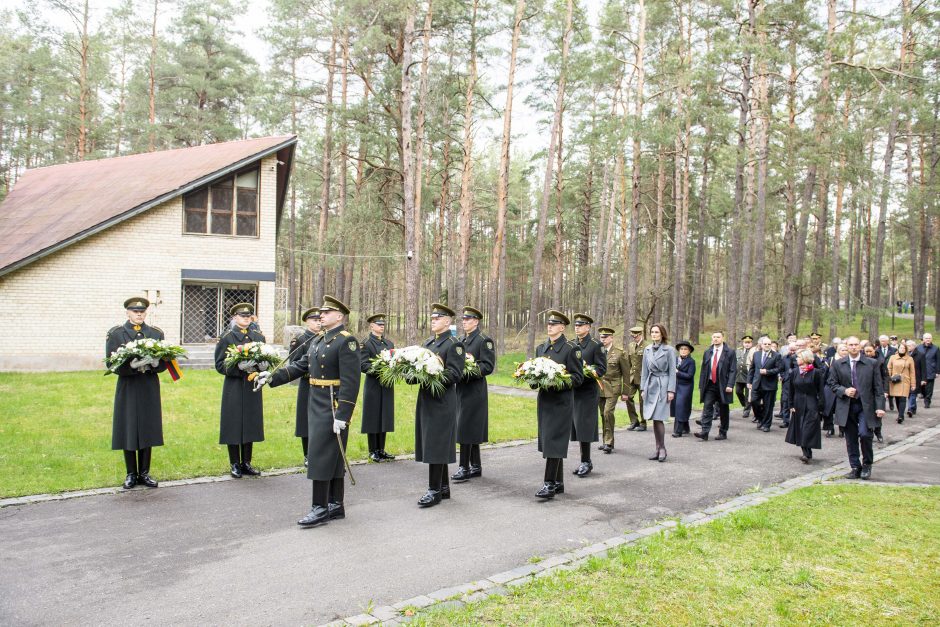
x,y
815,335
747,337
442,310
136,303
378,318
333,304
242,308
605,331
556,317
636,329
583,318
472,312
685,343
313,312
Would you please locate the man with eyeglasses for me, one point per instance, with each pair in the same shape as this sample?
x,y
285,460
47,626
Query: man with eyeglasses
x,y
378,401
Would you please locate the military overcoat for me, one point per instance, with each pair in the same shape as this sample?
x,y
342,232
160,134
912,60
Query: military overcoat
x,y
556,408
586,395
378,401
436,416
297,349
473,418
138,417
242,416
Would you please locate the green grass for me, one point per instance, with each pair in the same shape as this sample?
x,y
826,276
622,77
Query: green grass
x,y
55,430
825,555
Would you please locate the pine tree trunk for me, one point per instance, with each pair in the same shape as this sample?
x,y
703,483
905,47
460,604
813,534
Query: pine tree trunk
x,y
466,178
412,263
325,171
631,244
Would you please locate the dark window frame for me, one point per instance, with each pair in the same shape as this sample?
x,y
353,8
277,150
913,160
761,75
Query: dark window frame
x,y
209,214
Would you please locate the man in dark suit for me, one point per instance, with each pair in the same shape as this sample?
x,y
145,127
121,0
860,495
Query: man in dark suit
x,y
857,385
931,357
765,368
716,386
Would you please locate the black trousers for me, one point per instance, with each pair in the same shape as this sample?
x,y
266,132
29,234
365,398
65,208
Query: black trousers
x,y
928,391
470,455
740,389
376,441
785,401
235,449
767,400
138,461
712,405
553,469
437,477
854,440
331,491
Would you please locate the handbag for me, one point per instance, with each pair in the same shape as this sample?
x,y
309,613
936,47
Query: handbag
x,y
895,378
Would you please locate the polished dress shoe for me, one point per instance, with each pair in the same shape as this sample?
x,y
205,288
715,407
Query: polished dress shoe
x,y
385,455
677,435
462,474
318,515
804,459
608,450
476,471
430,498
865,473
130,480
336,511
584,469
910,414
547,490
374,456
756,419
855,473
641,428
633,427
145,479
722,436
746,414
765,429
237,471
248,469
559,487
445,492
601,447
784,425
701,436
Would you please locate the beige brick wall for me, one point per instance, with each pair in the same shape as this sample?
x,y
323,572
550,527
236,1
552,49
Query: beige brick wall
x,y
56,311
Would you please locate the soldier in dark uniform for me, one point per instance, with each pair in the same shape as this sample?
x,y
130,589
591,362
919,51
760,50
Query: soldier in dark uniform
x,y
242,416
436,416
138,418
473,414
378,401
586,396
297,349
556,408
631,379
331,368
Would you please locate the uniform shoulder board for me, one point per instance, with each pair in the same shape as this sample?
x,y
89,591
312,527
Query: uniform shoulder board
x,y
158,330
345,333
113,329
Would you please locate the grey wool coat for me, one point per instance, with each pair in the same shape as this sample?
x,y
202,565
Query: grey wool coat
x,y
657,378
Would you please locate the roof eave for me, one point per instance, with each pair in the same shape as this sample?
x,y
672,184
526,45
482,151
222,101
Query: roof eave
x,y
101,226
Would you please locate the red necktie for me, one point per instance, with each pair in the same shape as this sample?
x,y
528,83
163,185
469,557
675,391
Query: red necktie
x,y
715,367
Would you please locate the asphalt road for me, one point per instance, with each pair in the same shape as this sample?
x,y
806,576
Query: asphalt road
x,y
231,552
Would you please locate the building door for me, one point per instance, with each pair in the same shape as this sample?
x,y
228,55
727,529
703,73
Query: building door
x,y
205,309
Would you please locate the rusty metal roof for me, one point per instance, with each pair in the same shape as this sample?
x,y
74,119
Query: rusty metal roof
x,y
55,206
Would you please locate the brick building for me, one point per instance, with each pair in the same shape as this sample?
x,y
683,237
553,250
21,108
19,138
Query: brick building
x,y
192,229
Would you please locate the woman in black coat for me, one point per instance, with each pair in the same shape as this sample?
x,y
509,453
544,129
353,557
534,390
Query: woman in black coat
x,y
807,402
681,406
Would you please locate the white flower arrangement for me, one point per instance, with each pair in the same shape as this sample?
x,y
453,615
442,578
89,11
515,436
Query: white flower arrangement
x,y
543,373
145,349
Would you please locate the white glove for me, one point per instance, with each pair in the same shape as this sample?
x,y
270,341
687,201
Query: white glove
x,y
261,379
264,365
338,425
247,366
154,362
137,362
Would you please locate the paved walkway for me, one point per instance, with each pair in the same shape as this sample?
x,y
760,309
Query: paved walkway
x,y
230,552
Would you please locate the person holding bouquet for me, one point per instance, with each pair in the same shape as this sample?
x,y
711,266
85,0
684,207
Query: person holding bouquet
x,y
138,416
378,401
436,409
584,428
297,349
473,406
332,367
241,422
556,404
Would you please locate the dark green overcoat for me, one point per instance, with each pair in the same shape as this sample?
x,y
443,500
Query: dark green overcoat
x,y
138,416
242,416
436,416
556,408
473,417
378,402
586,395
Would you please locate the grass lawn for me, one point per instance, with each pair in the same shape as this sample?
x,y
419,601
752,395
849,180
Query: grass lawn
x,y
55,430
825,555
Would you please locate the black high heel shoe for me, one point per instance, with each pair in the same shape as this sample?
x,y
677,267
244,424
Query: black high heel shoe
x,y
662,454
654,456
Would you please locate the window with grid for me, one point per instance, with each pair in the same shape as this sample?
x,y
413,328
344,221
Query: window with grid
x,y
228,206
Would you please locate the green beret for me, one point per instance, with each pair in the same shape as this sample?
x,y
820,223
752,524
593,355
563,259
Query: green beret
x,y
137,303
555,316
472,312
583,318
242,308
444,310
379,317
334,304
313,312
605,331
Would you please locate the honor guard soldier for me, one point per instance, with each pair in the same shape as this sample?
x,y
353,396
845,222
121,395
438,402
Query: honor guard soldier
x,y
436,416
242,419
556,407
473,414
631,379
138,417
331,368
586,396
297,349
378,401
612,385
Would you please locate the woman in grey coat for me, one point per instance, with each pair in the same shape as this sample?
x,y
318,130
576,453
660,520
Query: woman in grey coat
x,y
658,385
